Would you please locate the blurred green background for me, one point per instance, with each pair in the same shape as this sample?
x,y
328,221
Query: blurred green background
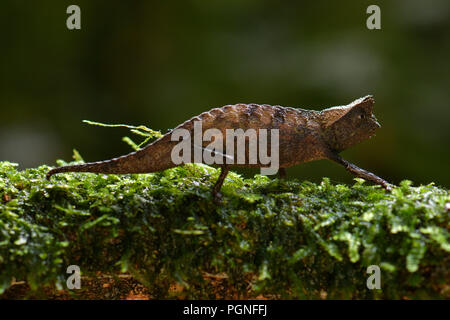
x,y
159,63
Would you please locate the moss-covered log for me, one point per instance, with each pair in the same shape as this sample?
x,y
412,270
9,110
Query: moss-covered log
x,y
278,238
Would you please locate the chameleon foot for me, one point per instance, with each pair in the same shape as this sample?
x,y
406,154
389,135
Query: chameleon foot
x,y
216,189
361,173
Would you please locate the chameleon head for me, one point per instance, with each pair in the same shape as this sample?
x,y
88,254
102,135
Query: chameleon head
x,y
348,125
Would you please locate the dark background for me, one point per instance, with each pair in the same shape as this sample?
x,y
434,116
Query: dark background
x,y
160,63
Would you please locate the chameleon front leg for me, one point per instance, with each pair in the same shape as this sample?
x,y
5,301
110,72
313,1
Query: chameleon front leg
x,y
216,189
361,173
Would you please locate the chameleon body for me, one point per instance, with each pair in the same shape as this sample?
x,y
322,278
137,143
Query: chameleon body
x,y
304,135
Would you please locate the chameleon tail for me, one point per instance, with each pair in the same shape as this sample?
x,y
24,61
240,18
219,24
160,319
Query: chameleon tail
x,y
87,167
154,157
122,165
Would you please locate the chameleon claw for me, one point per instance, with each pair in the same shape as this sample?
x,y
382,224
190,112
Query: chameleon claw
x,y
217,198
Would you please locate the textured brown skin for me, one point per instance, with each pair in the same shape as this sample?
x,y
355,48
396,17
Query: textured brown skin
x,y
304,135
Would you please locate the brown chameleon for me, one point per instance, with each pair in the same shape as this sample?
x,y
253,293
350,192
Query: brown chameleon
x,y
304,135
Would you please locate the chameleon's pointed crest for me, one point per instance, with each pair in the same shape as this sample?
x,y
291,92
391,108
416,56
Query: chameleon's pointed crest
x,y
331,115
366,103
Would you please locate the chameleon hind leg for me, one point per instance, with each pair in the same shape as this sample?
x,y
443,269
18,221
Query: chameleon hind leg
x,y
361,173
218,185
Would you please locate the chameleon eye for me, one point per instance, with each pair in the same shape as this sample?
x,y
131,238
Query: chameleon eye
x,y
361,116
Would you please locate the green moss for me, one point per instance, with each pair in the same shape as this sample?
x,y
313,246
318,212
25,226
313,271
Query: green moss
x,y
289,239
